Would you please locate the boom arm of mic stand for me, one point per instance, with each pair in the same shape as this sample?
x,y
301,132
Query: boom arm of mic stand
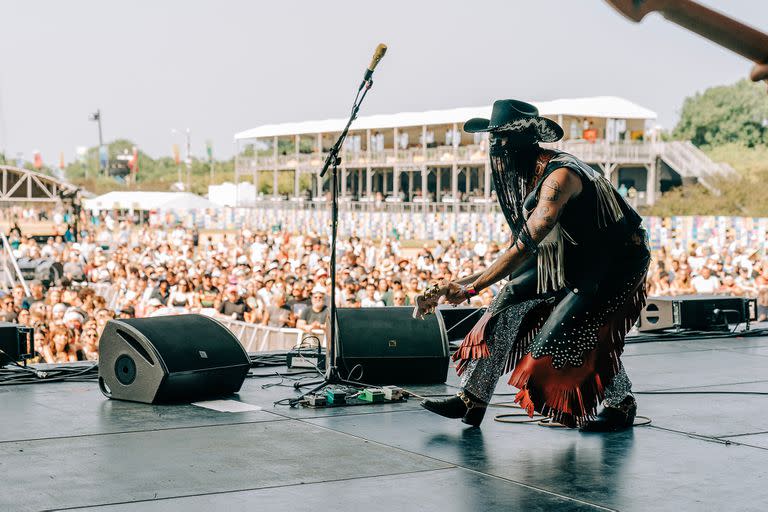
x,y
333,154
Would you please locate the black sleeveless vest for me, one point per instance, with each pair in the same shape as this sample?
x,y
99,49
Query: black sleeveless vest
x,y
591,233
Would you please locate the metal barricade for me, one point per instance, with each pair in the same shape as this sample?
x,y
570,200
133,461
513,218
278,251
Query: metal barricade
x,y
9,267
263,338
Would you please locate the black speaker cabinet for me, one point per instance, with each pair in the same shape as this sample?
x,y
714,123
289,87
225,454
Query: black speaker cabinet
x,y
390,346
696,312
170,359
658,314
16,343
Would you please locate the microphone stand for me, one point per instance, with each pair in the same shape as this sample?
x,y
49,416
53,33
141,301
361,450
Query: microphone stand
x,y
332,375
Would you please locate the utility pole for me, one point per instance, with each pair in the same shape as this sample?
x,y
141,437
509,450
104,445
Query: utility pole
x,y
189,163
209,151
96,116
177,156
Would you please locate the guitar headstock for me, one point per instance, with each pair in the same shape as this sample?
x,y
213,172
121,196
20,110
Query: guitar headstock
x,y
636,10
427,302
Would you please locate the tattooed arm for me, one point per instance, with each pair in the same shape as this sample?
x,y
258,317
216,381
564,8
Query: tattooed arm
x,y
560,186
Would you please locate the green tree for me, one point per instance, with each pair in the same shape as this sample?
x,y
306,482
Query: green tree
x,y
742,194
729,124
725,114
153,174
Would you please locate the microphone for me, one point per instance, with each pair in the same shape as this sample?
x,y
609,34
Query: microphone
x,y
377,56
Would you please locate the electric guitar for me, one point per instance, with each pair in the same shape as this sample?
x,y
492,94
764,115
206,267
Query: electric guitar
x,y
719,28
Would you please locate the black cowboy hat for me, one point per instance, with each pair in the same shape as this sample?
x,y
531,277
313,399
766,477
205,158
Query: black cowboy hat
x,y
516,116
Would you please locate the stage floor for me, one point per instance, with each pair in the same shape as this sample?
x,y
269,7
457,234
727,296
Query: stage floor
x,y
63,446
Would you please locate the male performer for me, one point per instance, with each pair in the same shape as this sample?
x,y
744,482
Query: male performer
x,y
576,267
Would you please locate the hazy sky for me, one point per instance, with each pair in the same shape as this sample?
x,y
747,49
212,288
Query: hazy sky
x,y
218,67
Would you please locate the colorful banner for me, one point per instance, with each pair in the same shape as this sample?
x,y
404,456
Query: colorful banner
x,y
133,164
38,160
176,154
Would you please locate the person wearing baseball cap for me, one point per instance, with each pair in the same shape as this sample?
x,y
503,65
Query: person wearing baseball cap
x,y
316,315
233,305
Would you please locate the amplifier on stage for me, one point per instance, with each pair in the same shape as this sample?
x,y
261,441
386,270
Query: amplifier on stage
x,y
694,312
17,343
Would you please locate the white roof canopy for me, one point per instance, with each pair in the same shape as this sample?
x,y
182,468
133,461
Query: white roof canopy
x,y
598,106
149,201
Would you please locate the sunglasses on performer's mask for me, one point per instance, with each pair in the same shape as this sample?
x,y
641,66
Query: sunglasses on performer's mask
x,y
503,143
498,145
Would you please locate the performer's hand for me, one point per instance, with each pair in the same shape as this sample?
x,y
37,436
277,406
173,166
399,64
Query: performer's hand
x,y
455,293
759,72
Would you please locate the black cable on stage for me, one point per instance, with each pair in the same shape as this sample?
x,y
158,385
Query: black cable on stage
x,y
694,335
759,393
51,373
278,374
262,360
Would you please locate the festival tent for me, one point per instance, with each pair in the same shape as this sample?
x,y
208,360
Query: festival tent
x,y
149,201
188,201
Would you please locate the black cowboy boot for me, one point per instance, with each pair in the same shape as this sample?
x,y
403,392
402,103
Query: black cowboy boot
x,y
463,405
613,418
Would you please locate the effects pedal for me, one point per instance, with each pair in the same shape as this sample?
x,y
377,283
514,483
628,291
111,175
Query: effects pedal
x,y
372,395
316,400
393,393
335,396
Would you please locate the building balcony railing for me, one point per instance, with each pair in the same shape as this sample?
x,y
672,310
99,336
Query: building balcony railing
x,y
389,205
621,152
591,152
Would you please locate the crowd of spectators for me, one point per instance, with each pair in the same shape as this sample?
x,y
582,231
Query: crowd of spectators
x,y
276,279
280,279
715,267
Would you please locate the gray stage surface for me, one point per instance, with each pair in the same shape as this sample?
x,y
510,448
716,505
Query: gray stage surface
x,y
63,446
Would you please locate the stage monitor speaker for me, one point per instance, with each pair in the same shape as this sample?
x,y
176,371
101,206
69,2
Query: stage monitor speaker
x,y
696,312
388,346
170,359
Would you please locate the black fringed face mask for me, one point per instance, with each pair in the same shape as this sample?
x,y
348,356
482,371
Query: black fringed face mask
x,y
513,169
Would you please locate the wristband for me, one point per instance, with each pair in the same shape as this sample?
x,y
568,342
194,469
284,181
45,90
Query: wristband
x,y
470,291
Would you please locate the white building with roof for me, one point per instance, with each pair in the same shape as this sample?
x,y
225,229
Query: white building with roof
x,y
426,157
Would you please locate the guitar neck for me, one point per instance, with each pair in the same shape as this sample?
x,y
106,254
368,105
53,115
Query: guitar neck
x,y
737,37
